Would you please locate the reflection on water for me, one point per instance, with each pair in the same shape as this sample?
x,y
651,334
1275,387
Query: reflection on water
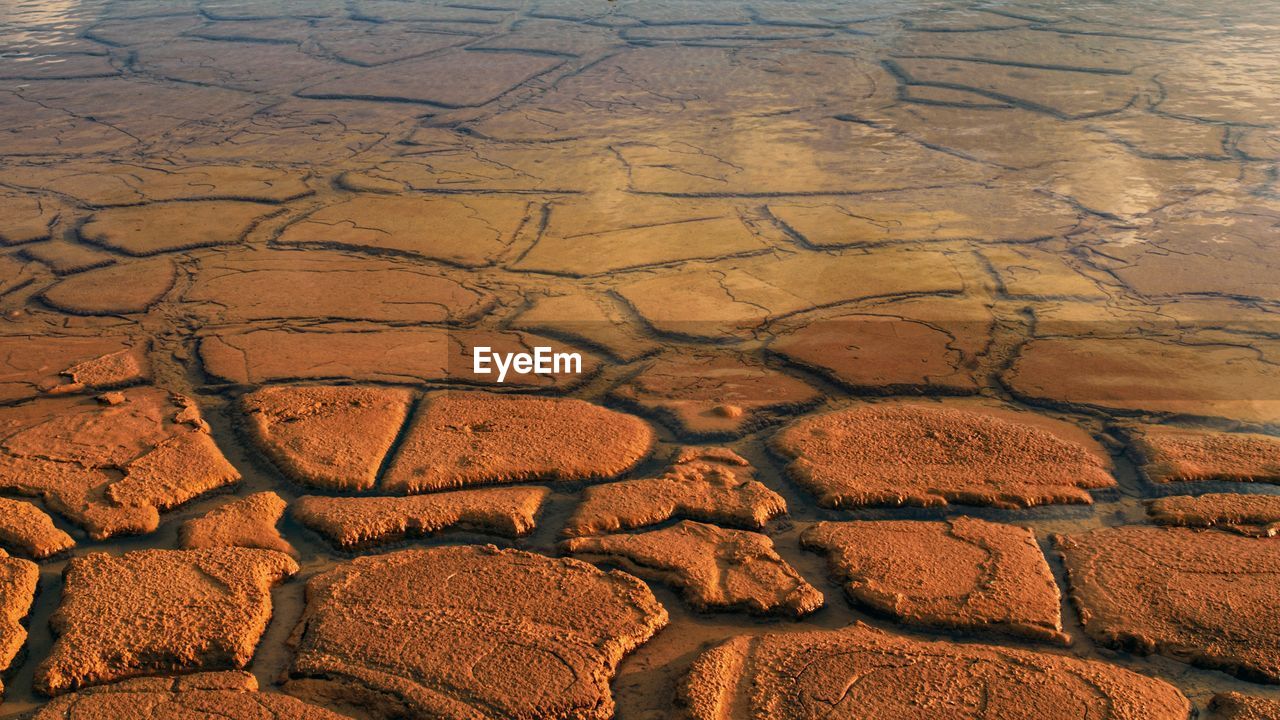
x,y
1065,206
35,29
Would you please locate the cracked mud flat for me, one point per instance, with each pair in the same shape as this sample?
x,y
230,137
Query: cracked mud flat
x,y
929,344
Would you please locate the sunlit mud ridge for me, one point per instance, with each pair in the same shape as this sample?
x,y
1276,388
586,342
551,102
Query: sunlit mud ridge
x,y
927,359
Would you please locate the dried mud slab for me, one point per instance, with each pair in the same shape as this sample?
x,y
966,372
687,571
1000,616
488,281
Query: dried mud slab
x,y
714,395
1217,379
159,611
113,370
906,454
863,673
1036,273
229,695
458,439
1246,514
113,290
113,183
111,468
582,238
964,573
471,632
16,272
46,130
1238,706
167,227
1172,454
26,218
34,365
26,529
363,522
330,437
740,295
68,257
18,580
451,79
1204,597
476,165
461,230
249,522
363,355
905,346
270,284
708,484
589,319
1225,230
954,213
717,569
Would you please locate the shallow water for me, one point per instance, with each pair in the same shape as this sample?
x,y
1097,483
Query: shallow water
x,y
1070,208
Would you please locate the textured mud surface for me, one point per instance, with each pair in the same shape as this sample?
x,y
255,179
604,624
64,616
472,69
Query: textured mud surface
x,y
929,363
791,675
1208,599
966,573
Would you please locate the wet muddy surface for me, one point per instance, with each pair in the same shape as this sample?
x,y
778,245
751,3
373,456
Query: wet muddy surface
x,y
928,359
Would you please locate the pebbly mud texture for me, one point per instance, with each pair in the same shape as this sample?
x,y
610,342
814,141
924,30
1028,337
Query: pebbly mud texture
x,y
17,591
717,569
469,632
1204,597
909,454
1172,454
27,530
1238,706
864,673
229,695
332,438
458,439
709,484
1246,514
159,611
249,522
111,468
368,521
962,574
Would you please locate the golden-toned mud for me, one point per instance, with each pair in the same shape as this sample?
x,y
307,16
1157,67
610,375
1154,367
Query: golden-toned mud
x,y
329,437
370,521
470,632
249,522
718,569
791,674
159,611
966,573
18,579
873,301
201,695
709,484
28,530
1245,514
915,454
1200,596
461,439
